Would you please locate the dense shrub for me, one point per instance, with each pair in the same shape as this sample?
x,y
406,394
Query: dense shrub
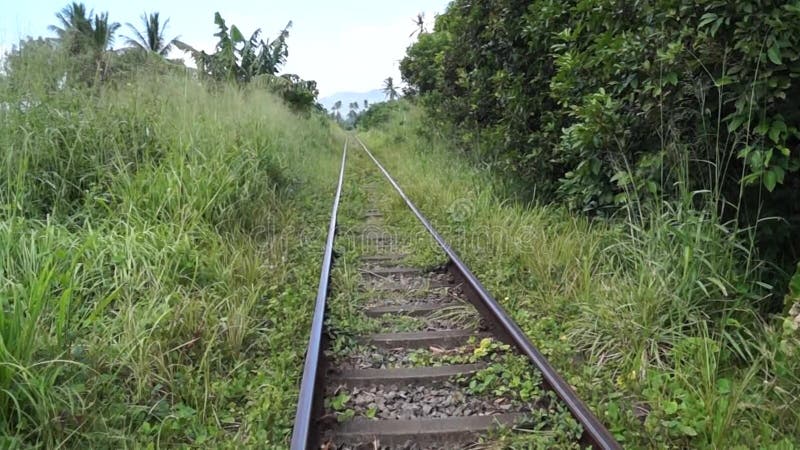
x,y
594,103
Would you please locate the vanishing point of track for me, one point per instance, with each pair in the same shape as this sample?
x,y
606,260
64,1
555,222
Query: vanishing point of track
x,y
417,430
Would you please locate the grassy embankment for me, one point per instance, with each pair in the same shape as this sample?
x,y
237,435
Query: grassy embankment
x,y
159,255
647,316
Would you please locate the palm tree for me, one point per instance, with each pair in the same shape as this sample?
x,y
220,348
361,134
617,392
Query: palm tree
x,y
83,34
420,23
336,107
81,31
152,37
390,89
103,31
75,26
101,39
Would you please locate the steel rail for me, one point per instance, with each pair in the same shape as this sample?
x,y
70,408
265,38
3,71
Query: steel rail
x,y
594,432
306,404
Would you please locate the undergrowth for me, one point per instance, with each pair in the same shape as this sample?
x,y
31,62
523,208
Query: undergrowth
x,y
652,316
159,254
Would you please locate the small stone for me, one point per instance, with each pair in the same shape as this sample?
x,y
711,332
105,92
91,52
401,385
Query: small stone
x,y
363,399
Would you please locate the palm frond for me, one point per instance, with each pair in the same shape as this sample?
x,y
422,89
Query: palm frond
x,y
137,40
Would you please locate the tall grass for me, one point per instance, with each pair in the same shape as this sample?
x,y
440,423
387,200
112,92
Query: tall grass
x,y
653,315
158,249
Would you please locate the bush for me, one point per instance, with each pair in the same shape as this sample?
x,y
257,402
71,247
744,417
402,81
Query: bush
x,y
596,104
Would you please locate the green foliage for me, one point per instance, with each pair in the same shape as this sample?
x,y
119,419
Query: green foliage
x,y
300,95
788,340
377,114
158,245
153,38
80,32
254,60
236,59
794,288
390,89
240,59
416,67
339,401
598,104
509,376
652,317
87,40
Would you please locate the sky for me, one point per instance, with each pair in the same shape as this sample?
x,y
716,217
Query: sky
x,y
345,45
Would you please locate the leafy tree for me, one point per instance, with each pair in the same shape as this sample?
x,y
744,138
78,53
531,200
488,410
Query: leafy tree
x,y
419,68
152,37
389,89
299,94
366,104
597,104
378,114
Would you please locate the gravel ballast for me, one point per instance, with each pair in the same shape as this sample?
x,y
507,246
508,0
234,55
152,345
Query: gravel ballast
x,y
439,400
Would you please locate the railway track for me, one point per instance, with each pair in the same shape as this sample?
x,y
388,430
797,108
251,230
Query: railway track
x,y
409,379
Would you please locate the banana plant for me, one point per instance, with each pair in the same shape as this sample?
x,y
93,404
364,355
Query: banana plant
x,y
239,59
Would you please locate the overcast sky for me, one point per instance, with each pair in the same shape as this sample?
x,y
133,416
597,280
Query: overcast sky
x,y
345,45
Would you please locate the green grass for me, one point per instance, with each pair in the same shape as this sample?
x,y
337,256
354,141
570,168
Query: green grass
x,y
652,316
159,255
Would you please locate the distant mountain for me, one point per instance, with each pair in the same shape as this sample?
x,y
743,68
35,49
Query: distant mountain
x,y
373,96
